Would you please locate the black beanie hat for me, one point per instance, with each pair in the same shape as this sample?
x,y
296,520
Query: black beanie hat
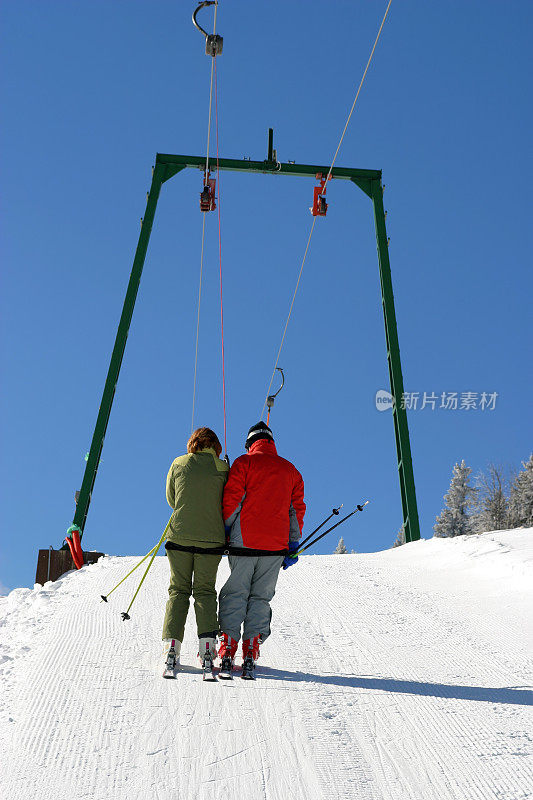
x,y
256,432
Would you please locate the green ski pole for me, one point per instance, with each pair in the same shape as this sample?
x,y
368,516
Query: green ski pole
x,y
125,614
105,596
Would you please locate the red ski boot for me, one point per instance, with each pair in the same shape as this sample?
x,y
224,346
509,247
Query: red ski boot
x,y
250,654
226,651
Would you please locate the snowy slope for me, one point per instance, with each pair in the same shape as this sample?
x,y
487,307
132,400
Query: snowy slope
x,y
399,675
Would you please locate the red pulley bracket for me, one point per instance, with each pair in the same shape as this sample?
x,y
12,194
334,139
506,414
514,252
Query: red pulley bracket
x,y
207,196
320,206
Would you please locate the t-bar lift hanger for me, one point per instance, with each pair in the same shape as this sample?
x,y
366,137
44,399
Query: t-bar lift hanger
x,y
213,42
271,397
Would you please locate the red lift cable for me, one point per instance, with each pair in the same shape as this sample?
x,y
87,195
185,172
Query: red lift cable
x,y
211,95
220,262
325,183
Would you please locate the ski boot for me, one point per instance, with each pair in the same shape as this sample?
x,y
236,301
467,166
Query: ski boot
x,y
171,652
226,651
250,654
206,654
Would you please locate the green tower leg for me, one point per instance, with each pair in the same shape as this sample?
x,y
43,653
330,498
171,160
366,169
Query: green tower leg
x,y
160,174
401,430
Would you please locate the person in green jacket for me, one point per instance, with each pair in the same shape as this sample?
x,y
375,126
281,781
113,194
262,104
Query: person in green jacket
x,y
195,483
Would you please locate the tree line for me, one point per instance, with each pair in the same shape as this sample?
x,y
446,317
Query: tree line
x,y
491,501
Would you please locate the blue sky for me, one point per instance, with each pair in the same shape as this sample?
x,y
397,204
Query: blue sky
x,y
91,91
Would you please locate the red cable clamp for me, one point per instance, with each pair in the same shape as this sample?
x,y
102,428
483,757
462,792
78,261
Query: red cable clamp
x,y
77,563
74,545
207,196
320,206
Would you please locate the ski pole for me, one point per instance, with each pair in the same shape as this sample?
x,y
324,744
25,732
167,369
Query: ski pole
x,y
358,508
105,596
334,512
125,614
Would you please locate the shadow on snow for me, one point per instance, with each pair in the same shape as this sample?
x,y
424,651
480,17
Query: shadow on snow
x,y
507,695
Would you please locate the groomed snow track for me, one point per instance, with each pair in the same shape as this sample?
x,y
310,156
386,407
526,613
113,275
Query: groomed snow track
x,y
386,678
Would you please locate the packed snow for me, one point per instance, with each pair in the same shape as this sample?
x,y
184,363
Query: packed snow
x,y
399,675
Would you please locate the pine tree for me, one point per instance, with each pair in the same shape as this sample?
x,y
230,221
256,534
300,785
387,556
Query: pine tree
x,y
521,497
455,519
341,548
492,508
400,538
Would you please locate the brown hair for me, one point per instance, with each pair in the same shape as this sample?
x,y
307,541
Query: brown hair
x,y
202,438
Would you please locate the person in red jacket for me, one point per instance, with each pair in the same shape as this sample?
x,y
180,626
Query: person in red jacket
x,y
263,506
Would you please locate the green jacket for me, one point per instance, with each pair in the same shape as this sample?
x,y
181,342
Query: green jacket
x,y
195,483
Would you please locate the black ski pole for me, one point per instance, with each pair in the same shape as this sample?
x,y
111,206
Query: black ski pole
x,y
358,508
334,512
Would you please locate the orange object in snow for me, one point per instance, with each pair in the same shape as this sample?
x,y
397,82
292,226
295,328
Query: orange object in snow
x,y
73,553
77,545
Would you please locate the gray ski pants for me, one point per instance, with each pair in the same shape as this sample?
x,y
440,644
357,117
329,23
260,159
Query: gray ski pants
x,y
246,595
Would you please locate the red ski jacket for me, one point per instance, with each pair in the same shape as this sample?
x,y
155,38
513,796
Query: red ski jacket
x,y
263,499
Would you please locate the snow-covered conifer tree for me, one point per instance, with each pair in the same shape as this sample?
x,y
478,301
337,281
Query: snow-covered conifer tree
x,y
455,519
341,548
521,497
491,512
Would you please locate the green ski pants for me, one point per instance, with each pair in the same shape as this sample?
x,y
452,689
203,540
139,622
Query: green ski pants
x,y
196,574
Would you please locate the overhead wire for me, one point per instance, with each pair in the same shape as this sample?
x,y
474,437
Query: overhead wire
x,y
220,263
198,324
358,91
211,93
203,229
325,184
289,315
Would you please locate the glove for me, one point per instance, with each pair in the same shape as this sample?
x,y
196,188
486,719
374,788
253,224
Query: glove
x,y
289,560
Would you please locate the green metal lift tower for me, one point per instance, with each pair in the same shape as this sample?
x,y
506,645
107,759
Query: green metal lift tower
x,y
166,167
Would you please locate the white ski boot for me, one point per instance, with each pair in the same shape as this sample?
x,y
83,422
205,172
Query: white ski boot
x,y
171,653
207,654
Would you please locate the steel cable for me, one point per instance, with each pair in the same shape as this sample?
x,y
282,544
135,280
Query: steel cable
x,y
327,179
203,231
